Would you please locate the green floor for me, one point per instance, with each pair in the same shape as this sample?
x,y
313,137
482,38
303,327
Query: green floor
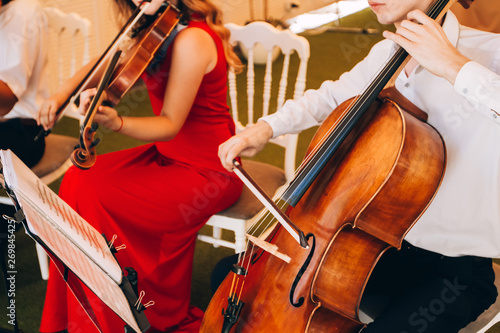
x,y
331,54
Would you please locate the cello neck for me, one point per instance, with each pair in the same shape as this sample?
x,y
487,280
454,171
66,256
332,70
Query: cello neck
x,y
317,159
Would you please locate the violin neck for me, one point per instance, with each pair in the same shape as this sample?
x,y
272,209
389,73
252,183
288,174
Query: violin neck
x,y
310,169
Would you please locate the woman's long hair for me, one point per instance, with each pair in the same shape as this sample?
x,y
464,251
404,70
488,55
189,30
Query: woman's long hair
x,y
206,10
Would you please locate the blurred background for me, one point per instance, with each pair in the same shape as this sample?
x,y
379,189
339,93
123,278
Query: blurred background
x,y
333,52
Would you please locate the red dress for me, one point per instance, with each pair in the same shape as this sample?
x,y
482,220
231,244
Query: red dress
x,y
155,198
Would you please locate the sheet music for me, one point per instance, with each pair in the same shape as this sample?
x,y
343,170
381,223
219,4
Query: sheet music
x,y
39,196
75,242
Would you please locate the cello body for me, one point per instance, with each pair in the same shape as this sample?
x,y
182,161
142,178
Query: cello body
x,y
363,202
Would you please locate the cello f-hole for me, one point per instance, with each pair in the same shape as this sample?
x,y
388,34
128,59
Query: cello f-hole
x,y
301,272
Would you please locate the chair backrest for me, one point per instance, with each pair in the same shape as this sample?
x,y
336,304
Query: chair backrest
x,y
69,35
68,48
257,36
69,41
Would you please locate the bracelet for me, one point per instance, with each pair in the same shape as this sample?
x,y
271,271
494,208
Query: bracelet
x,y
121,125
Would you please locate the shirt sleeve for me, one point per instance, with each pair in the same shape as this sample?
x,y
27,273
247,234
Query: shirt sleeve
x,y
315,105
20,42
481,87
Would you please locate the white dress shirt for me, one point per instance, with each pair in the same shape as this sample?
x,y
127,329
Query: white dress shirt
x,y
464,217
23,55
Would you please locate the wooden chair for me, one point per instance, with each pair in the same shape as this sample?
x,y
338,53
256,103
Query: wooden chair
x,y
238,217
66,32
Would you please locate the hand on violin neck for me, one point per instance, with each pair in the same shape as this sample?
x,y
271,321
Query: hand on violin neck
x,y
104,115
85,100
425,40
246,143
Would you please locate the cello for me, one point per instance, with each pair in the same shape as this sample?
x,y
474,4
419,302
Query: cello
x,y
370,172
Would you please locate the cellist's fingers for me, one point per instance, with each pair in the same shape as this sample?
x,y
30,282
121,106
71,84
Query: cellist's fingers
x,y
425,40
234,147
247,143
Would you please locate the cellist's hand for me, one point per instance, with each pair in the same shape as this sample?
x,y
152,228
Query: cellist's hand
x,y
105,115
247,143
424,39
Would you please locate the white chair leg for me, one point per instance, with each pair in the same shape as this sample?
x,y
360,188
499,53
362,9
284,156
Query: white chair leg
x,y
239,238
6,201
217,234
495,320
43,260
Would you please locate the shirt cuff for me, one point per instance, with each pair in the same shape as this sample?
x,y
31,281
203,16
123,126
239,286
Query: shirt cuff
x,y
469,77
276,123
479,85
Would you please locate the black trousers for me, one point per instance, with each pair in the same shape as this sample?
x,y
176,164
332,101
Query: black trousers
x,y
427,292
418,291
18,135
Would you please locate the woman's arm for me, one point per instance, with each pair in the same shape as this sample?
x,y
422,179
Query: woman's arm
x,y
7,99
194,54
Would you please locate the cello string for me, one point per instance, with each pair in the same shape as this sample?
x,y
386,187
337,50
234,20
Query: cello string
x,y
350,112
372,86
432,12
343,123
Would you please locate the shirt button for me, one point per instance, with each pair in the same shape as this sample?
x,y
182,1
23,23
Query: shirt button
x,y
495,116
407,84
465,91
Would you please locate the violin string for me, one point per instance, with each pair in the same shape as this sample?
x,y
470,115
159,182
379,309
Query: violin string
x,y
111,51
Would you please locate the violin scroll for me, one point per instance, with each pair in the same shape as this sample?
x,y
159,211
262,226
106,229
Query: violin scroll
x,y
84,156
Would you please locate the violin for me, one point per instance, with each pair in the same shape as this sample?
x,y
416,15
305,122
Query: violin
x,y
123,71
370,171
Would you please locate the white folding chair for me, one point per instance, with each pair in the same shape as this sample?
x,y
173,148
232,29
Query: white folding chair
x,y
69,48
238,217
66,33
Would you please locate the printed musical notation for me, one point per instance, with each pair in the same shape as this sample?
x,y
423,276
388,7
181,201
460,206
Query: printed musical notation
x,y
68,236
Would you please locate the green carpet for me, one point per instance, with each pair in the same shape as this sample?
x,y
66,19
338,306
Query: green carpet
x,y
331,54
